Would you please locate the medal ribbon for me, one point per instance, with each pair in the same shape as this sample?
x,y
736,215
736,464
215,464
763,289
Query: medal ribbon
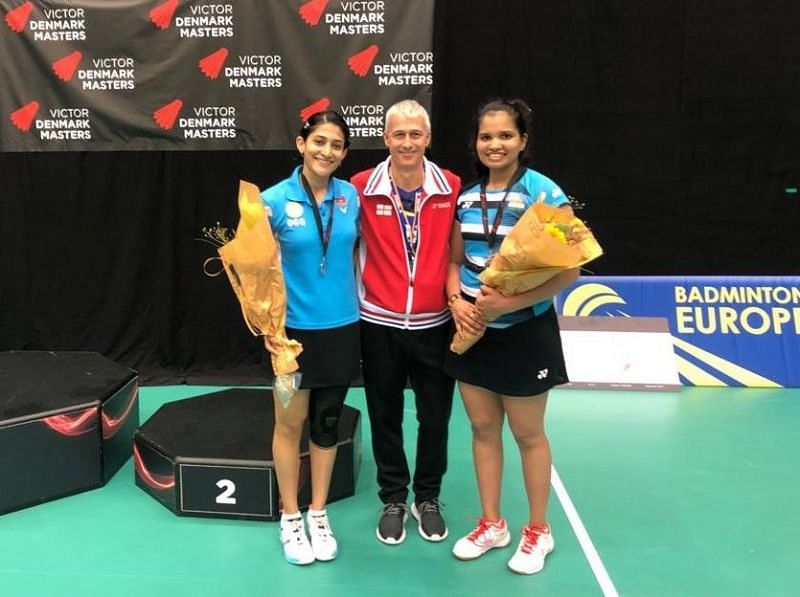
x,y
491,235
324,234
410,231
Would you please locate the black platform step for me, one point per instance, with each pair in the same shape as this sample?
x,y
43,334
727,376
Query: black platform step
x,y
66,424
211,455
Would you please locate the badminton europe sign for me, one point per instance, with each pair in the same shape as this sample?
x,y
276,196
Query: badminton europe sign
x,y
726,331
202,74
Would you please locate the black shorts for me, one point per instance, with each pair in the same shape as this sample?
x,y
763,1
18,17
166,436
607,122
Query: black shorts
x,y
525,359
330,357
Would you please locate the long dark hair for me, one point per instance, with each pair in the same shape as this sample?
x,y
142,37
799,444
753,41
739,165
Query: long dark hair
x,y
520,113
319,118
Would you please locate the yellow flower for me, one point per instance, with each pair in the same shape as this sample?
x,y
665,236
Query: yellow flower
x,y
556,232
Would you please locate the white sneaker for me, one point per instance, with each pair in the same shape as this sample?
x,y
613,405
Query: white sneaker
x,y
323,543
483,537
296,548
533,548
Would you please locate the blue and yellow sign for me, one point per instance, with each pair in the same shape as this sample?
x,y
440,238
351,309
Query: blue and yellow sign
x,y
727,331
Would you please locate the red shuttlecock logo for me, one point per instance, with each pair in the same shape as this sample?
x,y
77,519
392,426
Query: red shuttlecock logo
x,y
23,118
359,63
212,64
311,11
18,18
165,116
161,15
65,67
318,106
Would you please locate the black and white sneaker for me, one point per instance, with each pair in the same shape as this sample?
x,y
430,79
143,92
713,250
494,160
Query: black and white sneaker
x,y
392,524
431,525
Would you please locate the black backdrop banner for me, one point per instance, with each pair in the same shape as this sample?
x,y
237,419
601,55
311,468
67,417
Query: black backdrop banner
x,y
198,74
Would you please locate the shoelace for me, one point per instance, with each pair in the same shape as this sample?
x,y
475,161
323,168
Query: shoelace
x,y
531,538
429,506
296,528
396,509
481,530
323,526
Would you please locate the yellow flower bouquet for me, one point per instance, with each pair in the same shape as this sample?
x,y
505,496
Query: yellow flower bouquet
x,y
545,241
252,262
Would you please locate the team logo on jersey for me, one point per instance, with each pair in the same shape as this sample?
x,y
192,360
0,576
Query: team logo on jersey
x,y
383,209
294,209
341,203
516,203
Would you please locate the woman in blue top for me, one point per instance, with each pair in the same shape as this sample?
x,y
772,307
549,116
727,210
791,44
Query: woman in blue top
x,y
509,371
314,218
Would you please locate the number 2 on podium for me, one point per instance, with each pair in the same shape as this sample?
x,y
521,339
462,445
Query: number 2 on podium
x,y
228,489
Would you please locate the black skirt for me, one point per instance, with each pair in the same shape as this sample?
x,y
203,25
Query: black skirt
x,y
330,357
525,359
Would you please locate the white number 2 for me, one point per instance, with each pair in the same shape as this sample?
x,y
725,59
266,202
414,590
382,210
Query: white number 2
x,y
228,487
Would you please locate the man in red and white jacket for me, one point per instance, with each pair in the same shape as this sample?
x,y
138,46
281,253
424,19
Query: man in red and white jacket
x,y
407,209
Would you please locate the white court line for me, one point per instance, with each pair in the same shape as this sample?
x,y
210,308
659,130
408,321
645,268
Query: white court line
x,y
600,573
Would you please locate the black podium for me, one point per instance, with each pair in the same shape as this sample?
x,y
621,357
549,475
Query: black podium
x,y
66,424
211,456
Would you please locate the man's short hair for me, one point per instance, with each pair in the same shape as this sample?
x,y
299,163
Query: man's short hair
x,y
410,109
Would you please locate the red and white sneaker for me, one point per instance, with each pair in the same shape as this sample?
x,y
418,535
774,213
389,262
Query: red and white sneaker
x,y
536,543
483,537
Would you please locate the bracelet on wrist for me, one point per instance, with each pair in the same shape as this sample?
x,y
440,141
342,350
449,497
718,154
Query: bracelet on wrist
x,y
453,298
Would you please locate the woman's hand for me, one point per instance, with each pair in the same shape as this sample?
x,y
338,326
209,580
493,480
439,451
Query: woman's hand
x,y
467,318
272,344
492,304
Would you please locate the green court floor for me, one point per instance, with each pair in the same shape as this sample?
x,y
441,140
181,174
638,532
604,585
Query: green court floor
x,y
660,494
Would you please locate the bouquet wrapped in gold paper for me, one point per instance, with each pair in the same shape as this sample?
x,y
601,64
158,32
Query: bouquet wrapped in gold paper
x,y
252,262
545,241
